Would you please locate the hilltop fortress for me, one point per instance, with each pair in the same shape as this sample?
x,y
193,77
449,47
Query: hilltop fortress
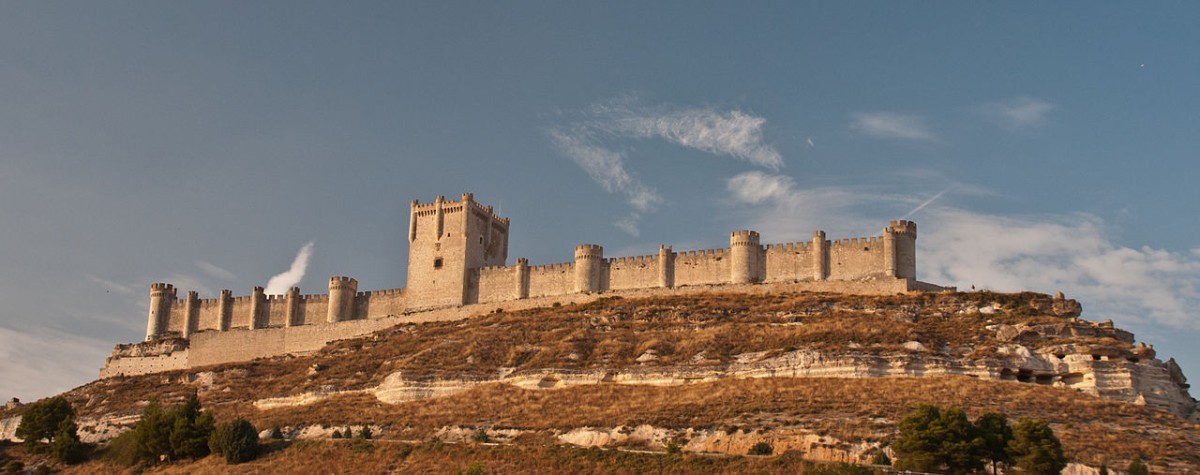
x,y
457,258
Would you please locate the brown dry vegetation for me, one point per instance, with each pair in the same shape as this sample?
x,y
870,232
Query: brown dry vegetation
x,y
1092,429
612,332
387,457
608,333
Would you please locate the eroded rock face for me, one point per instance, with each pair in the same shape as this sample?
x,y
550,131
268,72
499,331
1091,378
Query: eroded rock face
x,y
158,347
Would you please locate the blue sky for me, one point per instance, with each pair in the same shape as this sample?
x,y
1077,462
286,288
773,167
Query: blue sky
x,y
207,143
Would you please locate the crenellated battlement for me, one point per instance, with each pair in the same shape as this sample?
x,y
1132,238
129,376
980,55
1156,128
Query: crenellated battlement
x,y
458,256
744,238
588,251
902,227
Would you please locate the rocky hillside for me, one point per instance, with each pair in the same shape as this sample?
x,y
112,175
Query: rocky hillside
x,y
825,376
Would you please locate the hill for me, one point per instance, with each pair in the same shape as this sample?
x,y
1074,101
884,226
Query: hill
x,y
823,376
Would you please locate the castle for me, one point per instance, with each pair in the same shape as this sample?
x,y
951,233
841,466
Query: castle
x,y
458,253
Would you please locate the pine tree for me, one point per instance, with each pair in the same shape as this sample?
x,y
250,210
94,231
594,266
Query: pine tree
x,y
41,420
996,434
1035,449
66,446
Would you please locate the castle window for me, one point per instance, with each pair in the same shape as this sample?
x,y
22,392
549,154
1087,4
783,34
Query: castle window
x,y
437,263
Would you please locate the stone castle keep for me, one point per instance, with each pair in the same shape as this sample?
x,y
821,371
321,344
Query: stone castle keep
x,y
458,253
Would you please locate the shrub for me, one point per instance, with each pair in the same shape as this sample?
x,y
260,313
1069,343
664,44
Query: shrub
x,y
237,441
881,458
674,448
481,436
761,448
365,433
473,469
337,434
42,470
14,466
276,433
1137,467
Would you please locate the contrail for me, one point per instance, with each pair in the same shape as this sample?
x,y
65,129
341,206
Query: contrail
x,y
928,201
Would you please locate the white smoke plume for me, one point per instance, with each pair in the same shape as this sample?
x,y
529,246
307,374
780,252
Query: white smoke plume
x,y
280,283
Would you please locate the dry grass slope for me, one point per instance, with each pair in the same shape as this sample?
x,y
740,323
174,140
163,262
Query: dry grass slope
x,y
699,330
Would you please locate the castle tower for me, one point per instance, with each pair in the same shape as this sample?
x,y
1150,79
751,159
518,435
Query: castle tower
x,y
900,249
341,299
161,298
522,278
820,249
666,267
589,267
225,310
292,308
191,314
257,304
744,252
448,242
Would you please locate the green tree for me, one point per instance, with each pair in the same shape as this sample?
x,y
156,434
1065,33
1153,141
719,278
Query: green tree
x,y
917,446
179,433
41,420
996,434
366,433
153,433
931,440
1137,467
236,440
1035,449
66,446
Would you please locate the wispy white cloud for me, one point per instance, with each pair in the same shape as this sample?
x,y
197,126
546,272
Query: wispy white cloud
x,y
605,166
755,187
212,270
42,362
1018,112
629,224
596,142
1074,253
891,125
733,133
280,283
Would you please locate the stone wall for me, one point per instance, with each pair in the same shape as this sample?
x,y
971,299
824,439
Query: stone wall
x,y
639,272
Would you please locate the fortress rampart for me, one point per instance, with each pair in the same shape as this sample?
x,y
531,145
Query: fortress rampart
x,y
457,254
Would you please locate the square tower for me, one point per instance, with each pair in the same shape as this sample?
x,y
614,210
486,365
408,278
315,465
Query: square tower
x,y
448,242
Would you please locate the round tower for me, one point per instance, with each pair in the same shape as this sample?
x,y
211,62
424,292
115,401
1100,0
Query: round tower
x,y
161,296
900,249
191,314
258,298
225,310
589,263
292,307
341,298
744,250
666,267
